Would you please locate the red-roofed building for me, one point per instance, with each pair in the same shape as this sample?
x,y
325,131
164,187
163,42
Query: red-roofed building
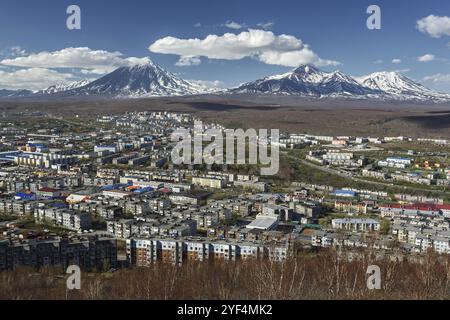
x,y
164,190
415,209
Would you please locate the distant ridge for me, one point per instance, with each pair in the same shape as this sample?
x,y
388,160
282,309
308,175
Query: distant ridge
x,y
151,80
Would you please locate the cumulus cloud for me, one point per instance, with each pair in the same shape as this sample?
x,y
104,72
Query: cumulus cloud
x,y
234,25
14,51
434,26
406,70
89,72
216,84
32,78
438,78
97,61
266,25
396,61
186,61
426,58
284,50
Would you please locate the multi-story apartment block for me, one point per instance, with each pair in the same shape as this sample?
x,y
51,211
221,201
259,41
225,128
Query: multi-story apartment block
x,y
357,225
64,217
143,252
17,207
89,253
213,183
351,207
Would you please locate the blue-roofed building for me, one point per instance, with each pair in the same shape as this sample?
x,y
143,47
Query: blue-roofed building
x,y
26,196
9,155
144,190
114,186
60,205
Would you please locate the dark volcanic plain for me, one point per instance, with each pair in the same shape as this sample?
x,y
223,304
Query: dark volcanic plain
x,y
289,114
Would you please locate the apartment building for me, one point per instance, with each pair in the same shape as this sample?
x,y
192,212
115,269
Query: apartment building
x,y
206,219
142,252
197,250
374,174
351,207
125,229
89,253
257,186
357,225
137,207
213,183
188,198
424,210
64,217
322,238
17,207
284,213
310,210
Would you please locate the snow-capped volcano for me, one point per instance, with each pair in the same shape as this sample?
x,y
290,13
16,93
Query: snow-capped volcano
x,y
151,80
64,87
306,80
142,80
398,87
309,81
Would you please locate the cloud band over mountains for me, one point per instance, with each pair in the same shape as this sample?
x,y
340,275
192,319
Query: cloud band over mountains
x,y
265,46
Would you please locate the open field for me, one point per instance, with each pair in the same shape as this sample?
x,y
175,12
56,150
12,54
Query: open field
x,y
288,114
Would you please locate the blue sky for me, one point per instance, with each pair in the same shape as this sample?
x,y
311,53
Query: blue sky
x,y
335,33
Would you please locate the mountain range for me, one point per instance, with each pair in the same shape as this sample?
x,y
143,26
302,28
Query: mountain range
x,y
151,80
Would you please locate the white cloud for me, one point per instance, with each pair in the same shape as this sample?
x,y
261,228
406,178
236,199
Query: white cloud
x,y
198,25
438,78
396,61
14,51
266,25
406,70
32,79
88,72
434,26
186,61
98,61
216,84
426,58
284,50
378,61
234,25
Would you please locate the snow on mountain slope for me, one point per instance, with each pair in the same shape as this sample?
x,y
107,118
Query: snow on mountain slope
x,y
399,87
151,80
143,80
64,87
306,80
309,81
